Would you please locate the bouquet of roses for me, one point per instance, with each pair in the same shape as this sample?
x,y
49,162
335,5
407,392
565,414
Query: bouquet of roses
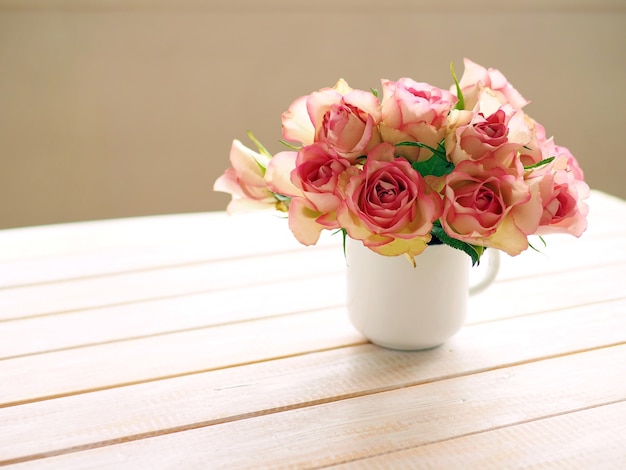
x,y
413,166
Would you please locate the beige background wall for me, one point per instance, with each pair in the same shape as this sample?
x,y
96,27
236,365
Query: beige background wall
x,y
123,108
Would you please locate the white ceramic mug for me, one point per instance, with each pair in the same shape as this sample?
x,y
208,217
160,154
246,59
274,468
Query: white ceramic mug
x,y
398,306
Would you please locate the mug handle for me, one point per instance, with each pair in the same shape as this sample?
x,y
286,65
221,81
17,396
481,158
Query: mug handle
x,y
490,265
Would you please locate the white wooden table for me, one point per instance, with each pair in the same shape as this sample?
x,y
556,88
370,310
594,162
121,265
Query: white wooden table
x,y
202,341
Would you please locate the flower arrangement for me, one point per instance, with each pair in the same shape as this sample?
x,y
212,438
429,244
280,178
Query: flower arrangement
x,y
419,165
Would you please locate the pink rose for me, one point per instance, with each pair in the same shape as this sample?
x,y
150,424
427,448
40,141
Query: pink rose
x,y
484,132
476,78
317,177
562,191
541,148
389,206
245,181
414,112
344,119
573,167
538,147
278,174
317,174
488,204
296,123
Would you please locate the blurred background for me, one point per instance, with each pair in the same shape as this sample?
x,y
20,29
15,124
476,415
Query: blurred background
x,y
117,108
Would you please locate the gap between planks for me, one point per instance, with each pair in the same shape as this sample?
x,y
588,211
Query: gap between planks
x,y
201,279
572,393
175,265
486,438
161,378
455,369
109,325
192,262
251,415
162,283
311,338
278,315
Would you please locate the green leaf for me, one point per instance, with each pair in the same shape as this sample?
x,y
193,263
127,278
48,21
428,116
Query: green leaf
x,y
262,157
435,165
259,145
290,145
344,234
542,241
543,162
461,103
374,92
420,145
282,197
474,252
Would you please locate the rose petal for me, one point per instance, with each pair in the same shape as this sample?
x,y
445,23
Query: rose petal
x,y
296,123
302,222
278,174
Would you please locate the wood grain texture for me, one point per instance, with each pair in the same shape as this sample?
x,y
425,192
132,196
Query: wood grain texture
x,y
591,438
236,393
388,421
163,283
174,352
126,362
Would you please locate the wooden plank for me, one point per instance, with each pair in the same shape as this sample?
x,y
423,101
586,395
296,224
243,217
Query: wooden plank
x,y
125,362
154,284
559,257
198,292
162,242
196,279
268,387
215,233
123,260
544,293
153,317
592,438
149,318
367,426
17,303
154,231
70,251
